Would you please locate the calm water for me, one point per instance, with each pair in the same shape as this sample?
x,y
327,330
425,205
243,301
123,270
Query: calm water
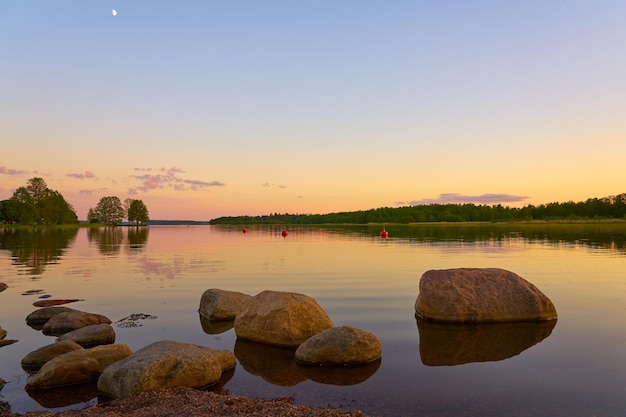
x,y
574,368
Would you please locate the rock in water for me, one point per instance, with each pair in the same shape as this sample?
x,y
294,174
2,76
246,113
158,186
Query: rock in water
x,y
165,364
218,304
92,335
281,318
344,345
71,320
472,295
77,367
37,358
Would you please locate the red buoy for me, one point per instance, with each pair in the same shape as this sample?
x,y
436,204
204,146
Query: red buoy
x,y
244,230
284,233
384,234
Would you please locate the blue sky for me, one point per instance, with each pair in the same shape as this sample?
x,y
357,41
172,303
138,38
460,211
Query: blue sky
x,y
206,108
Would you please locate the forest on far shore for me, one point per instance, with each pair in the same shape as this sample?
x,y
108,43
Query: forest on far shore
x,y
613,207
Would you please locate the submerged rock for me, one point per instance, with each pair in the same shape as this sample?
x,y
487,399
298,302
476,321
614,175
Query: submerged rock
x,y
470,295
281,318
3,286
92,335
165,364
344,345
218,304
38,318
77,367
71,320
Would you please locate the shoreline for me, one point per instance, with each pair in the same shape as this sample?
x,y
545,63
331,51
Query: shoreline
x,y
187,401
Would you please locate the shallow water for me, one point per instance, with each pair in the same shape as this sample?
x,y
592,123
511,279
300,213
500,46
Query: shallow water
x,y
574,367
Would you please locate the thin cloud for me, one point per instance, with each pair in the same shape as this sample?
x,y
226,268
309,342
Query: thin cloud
x,y
9,171
85,175
456,198
90,192
167,178
267,184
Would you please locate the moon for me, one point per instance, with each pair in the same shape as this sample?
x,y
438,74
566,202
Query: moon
x,y
114,12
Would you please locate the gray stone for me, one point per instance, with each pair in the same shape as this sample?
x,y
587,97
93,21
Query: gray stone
x,y
37,358
471,295
71,320
77,367
344,345
218,304
92,335
281,318
165,364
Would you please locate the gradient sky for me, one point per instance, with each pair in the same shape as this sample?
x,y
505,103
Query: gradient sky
x,y
213,108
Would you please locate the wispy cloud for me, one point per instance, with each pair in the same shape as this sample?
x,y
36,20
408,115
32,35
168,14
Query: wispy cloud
x,y
267,184
90,192
456,198
9,171
167,178
85,175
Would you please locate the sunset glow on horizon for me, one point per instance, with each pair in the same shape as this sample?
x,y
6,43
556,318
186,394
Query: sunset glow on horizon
x,y
211,109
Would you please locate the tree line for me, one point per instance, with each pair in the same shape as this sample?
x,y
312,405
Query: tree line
x,y
613,207
36,204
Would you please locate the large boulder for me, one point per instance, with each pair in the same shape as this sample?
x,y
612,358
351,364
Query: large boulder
x,y
68,321
77,367
165,364
218,304
37,358
92,335
281,318
344,345
471,295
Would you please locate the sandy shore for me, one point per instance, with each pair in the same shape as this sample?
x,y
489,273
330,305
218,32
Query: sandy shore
x,y
183,401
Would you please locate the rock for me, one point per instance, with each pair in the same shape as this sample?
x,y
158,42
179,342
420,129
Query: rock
x,y
71,320
469,295
218,304
3,333
344,345
3,286
37,358
6,342
165,364
77,367
281,318
40,317
50,303
92,335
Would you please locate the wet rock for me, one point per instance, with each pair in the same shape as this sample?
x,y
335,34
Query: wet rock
x,y
134,320
218,304
165,364
37,358
6,342
344,345
71,320
469,295
55,302
92,335
38,318
281,318
3,286
3,333
77,367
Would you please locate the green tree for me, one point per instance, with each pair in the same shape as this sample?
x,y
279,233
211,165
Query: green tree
x,y
109,210
37,204
137,212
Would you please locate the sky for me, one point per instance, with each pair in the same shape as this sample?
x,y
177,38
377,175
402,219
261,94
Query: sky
x,y
203,109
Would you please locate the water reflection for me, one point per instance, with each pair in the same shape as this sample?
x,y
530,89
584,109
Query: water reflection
x,y
446,344
215,327
65,396
32,249
110,240
341,375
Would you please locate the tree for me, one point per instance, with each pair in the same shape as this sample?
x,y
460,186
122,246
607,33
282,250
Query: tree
x,y
137,212
109,210
37,204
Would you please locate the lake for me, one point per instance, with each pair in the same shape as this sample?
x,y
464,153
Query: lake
x,y
575,366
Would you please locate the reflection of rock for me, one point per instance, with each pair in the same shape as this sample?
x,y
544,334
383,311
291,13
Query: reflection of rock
x,y
165,364
65,396
281,318
92,335
274,364
77,367
345,345
215,327
37,358
471,295
216,304
341,375
447,344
